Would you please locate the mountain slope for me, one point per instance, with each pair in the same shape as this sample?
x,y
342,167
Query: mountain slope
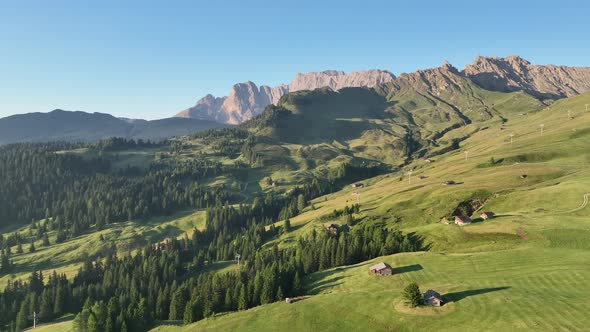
x,y
415,115
246,100
514,73
88,127
491,73
531,256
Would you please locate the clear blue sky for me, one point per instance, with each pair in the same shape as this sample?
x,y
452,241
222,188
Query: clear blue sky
x,y
150,59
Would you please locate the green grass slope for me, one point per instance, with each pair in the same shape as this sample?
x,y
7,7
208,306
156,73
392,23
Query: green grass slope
x,y
524,270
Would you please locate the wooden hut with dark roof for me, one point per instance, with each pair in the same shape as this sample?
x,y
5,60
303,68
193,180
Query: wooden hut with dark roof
x,y
432,298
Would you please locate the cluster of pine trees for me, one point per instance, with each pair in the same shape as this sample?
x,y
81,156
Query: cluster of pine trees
x,y
74,193
128,294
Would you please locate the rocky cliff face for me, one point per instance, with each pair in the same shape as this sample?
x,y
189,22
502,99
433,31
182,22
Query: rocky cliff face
x,y
492,73
246,100
514,73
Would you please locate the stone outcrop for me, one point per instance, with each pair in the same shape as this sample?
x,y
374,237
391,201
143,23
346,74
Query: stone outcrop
x,y
514,73
246,100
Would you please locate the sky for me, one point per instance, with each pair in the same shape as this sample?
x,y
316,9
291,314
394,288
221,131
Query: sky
x,y
151,59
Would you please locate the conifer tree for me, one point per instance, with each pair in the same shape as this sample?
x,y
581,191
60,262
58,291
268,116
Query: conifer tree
x,y
412,295
188,316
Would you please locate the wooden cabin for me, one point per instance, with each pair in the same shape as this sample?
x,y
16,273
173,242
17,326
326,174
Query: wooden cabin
x,y
333,228
381,269
432,298
163,244
462,220
358,185
487,215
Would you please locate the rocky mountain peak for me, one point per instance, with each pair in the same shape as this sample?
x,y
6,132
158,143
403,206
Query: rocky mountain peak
x,y
246,100
514,73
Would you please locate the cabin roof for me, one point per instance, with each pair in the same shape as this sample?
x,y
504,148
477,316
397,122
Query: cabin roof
x,y
464,219
378,266
431,293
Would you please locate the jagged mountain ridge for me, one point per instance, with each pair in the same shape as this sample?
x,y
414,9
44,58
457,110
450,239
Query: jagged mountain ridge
x,y
514,73
508,74
247,100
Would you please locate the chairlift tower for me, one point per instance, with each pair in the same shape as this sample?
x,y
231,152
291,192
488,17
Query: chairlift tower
x,y
542,126
238,256
410,177
466,155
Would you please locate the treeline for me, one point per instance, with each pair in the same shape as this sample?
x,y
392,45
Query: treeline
x,y
119,143
224,141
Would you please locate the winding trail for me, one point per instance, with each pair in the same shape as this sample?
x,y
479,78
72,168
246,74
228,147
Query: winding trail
x,y
584,204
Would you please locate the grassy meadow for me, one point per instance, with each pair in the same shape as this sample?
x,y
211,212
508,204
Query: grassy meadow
x,y
526,269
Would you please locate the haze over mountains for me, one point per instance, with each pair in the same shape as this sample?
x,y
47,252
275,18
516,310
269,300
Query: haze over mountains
x,y
512,73
88,127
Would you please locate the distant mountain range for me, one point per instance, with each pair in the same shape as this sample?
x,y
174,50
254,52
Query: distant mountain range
x,y
88,127
512,73
247,100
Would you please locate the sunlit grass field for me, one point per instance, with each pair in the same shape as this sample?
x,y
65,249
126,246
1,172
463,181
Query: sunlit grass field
x,y
526,269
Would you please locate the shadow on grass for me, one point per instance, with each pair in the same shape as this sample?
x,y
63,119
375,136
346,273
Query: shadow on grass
x,y
408,268
418,240
480,219
458,296
325,284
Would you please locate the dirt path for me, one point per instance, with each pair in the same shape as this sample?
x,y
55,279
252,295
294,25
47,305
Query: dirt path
x,y
584,204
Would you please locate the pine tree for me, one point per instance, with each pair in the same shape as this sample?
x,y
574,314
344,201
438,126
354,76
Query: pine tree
x,y
45,240
59,301
32,247
228,300
21,318
46,306
412,295
19,248
301,202
297,284
287,225
91,324
188,316
243,299
108,327
81,320
177,305
280,295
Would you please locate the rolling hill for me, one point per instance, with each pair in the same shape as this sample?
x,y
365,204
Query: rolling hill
x,y
86,127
